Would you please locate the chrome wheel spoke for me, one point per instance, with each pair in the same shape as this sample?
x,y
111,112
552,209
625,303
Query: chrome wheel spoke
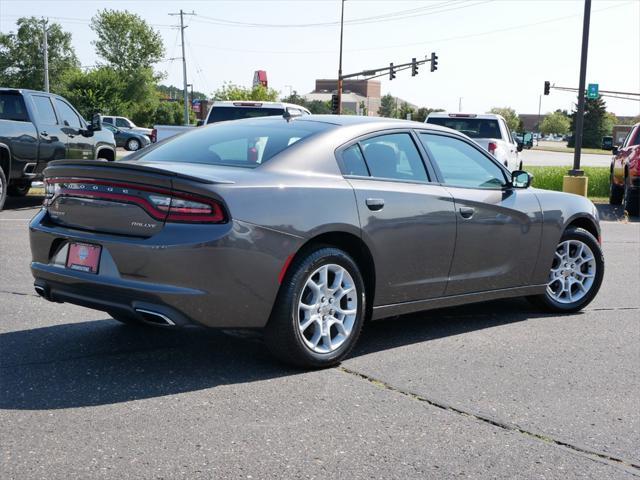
x,y
572,272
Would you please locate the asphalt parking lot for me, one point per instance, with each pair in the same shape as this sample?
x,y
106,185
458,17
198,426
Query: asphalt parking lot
x,y
495,390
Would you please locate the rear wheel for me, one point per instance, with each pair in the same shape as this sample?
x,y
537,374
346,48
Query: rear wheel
x,y
319,312
576,273
616,192
19,190
3,188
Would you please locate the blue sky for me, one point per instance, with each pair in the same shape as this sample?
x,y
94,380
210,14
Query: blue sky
x,y
491,52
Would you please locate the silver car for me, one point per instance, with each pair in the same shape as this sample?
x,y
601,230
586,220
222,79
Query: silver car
x,y
306,228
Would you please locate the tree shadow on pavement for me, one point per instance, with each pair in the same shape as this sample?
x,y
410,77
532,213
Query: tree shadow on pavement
x,y
103,362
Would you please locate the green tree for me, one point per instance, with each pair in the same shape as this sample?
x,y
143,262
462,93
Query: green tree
x,y
509,115
231,91
555,123
169,113
388,106
595,111
125,41
21,55
609,121
319,107
423,112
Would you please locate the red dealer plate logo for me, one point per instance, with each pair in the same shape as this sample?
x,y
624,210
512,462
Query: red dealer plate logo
x,y
84,257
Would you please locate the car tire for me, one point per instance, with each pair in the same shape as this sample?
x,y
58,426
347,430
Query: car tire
x,y
19,190
616,192
3,189
631,199
305,328
588,273
133,144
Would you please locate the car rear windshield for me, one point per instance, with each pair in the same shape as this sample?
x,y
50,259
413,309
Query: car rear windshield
x,y
247,143
222,114
472,127
12,107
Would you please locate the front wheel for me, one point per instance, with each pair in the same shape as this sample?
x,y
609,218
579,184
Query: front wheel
x,y
19,190
319,311
576,273
3,189
133,144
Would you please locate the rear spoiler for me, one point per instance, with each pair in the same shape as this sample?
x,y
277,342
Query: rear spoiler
x,y
55,165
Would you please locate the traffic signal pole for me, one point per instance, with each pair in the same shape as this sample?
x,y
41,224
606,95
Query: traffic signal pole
x,y
581,96
340,62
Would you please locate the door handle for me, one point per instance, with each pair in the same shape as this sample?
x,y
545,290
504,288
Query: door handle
x,y
44,134
375,204
467,212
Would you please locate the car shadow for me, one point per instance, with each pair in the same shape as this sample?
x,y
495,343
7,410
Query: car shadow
x,y
614,213
23,203
103,362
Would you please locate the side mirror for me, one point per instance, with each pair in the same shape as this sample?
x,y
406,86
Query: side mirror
x,y
519,147
96,123
200,123
615,149
521,179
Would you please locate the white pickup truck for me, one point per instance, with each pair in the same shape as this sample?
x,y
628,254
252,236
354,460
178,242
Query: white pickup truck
x,y
222,111
488,130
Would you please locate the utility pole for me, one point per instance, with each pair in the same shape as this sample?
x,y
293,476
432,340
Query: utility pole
x,y
539,110
45,51
184,66
459,104
340,61
581,91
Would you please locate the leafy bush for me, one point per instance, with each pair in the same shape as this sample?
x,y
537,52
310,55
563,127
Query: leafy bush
x,y
550,178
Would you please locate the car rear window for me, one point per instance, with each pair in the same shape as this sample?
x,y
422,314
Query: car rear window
x,y
12,108
472,127
222,114
248,143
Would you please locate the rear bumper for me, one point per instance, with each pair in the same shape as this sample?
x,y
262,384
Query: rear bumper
x,y
217,276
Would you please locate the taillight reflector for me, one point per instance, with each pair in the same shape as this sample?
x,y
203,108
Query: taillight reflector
x,y
492,147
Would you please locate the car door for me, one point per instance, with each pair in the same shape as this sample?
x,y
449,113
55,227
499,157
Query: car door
x,y
78,146
52,141
511,145
407,221
499,228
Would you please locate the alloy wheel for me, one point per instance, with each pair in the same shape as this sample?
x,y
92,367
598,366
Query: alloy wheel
x,y
133,144
327,309
572,272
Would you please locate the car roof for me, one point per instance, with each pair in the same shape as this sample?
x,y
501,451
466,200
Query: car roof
x,y
254,103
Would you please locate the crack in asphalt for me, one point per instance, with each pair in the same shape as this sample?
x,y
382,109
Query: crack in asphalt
x,y
19,293
628,465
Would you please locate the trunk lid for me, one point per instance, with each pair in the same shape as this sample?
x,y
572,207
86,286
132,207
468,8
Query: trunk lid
x,y
121,198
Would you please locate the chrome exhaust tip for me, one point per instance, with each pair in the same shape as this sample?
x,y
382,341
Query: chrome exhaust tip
x,y
155,318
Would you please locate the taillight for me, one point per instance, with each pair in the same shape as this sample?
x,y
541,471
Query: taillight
x,y
159,203
154,135
492,147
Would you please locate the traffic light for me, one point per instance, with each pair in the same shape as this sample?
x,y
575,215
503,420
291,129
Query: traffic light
x,y
547,87
335,104
392,72
434,62
414,67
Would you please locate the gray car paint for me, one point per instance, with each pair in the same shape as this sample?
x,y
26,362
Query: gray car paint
x,y
227,275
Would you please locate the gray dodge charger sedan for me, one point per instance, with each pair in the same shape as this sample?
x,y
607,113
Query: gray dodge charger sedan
x,y
305,228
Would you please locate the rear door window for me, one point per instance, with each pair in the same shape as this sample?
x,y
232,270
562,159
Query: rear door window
x,y
394,156
45,113
353,162
12,107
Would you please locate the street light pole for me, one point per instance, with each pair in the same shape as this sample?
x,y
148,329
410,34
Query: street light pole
x,y
581,91
340,61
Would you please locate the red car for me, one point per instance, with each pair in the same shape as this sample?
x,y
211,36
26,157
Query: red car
x,y
625,173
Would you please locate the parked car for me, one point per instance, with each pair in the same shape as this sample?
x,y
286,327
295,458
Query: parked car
x,y
607,142
625,173
489,130
123,123
330,220
222,111
37,127
128,140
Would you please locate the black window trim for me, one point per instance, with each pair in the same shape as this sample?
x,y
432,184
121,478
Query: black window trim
x,y
37,112
59,114
357,141
507,174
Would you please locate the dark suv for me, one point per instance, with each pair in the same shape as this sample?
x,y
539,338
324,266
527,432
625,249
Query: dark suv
x,y
37,127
